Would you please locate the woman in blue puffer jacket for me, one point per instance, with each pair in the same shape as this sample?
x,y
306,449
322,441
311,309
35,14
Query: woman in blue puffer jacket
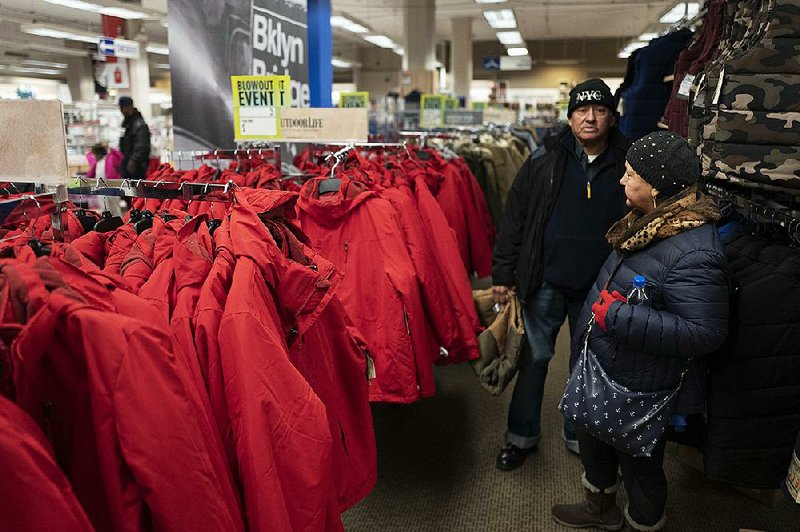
x,y
670,239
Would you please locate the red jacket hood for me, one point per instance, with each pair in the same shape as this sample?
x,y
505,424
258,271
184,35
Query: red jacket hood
x,y
330,210
302,292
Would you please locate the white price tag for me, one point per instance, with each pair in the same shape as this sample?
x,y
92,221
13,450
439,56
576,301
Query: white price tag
x,y
431,117
258,121
686,86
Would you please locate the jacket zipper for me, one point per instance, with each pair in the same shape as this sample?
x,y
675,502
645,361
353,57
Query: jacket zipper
x,y
293,331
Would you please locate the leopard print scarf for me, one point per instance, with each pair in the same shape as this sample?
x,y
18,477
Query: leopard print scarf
x,y
680,213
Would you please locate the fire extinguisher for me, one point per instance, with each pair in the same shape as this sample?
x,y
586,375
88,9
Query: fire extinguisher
x,y
117,76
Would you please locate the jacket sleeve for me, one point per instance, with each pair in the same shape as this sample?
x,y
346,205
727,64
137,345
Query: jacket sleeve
x,y
694,320
141,143
509,241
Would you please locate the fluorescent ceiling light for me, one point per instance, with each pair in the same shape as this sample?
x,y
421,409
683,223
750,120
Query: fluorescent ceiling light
x,y
55,50
341,63
679,12
160,49
501,19
517,51
344,23
647,37
510,38
380,40
30,70
162,66
120,12
56,32
50,64
491,1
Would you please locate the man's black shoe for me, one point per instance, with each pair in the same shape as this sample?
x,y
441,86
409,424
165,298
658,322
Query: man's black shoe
x,y
511,457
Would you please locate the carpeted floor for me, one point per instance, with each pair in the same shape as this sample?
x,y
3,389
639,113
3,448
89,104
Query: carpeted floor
x,y
436,471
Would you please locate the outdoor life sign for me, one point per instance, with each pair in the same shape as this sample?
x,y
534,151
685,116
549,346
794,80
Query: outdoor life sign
x,y
431,110
324,125
354,99
257,101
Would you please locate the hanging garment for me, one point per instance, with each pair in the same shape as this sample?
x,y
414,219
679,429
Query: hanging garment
x,y
285,418
754,381
35,493
325,348
131,445
647,97
361,234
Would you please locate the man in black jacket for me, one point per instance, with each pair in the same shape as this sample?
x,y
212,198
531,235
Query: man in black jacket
x,y
135,141
552,245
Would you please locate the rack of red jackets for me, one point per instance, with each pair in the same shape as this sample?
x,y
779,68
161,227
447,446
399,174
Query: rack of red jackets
x,y
426,304
451,182
405,284
185,380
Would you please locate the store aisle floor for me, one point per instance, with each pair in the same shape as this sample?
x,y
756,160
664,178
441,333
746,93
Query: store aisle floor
x,y
436,470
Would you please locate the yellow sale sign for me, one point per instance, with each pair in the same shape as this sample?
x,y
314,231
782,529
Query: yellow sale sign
x,y
257,101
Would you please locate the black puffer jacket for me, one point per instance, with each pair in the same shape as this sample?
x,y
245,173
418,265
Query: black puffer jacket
x,y
646,347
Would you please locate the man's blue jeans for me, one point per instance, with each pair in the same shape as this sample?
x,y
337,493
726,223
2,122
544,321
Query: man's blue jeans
x,y
543,317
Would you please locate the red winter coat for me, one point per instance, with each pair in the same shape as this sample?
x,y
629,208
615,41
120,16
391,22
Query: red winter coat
x,y
450,322
362,235
455,196
107,393
279,426
446,250
35,494
329,353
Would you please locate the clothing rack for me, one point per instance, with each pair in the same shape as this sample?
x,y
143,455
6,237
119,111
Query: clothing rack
x,y
757,209
270,152
686,22
157,190
58,194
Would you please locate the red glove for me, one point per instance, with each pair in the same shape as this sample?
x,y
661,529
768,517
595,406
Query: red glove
x,y
600,308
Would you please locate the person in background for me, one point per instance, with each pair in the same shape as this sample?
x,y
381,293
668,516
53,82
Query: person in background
x,y
104,163
551,246
135,141
669,238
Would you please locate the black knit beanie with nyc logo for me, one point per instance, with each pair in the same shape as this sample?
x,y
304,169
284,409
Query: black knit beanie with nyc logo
x,y
590,92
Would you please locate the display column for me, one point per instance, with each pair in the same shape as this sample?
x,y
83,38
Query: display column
x,y
80,79
461,56
320,52
139,71
420,44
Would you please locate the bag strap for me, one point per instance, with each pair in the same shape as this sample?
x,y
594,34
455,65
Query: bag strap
x,y
591,320
614,271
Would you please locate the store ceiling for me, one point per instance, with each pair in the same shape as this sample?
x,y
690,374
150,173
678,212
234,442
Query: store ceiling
x,y
536,19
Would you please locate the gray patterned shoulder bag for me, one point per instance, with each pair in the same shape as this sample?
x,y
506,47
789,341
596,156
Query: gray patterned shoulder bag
x,y
630,421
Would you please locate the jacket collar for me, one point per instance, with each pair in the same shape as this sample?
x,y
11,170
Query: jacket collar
x,y
193,253
331,210
302,292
